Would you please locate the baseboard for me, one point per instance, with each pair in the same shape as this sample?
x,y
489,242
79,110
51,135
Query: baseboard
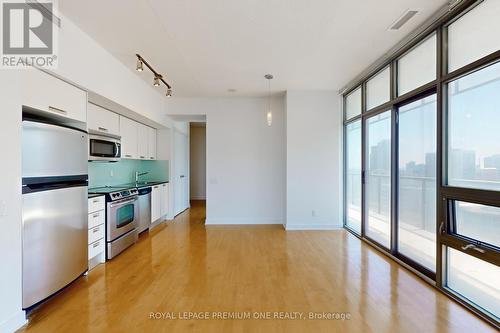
x,y
241,221
293,227
14,323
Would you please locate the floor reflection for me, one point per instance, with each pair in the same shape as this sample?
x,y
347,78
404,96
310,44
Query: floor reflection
x,y
184,266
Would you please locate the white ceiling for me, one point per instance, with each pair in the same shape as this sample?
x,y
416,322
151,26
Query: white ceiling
x,y
205,47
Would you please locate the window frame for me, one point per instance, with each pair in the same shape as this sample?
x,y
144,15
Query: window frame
x,y
445,194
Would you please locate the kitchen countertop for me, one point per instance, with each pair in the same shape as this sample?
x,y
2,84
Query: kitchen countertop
x,y
146,184
115,188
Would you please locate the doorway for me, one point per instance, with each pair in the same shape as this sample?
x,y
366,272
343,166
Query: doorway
x,y
197,158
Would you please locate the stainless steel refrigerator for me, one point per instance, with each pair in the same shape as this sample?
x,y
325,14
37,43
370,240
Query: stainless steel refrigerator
x,y
55,227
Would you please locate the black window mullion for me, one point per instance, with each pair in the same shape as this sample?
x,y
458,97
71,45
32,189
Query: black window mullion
x,y
394,179
441,54
363,159
394,159
477,196
483,252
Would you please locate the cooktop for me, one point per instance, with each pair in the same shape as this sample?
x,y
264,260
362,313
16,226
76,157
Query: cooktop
x,y
114,193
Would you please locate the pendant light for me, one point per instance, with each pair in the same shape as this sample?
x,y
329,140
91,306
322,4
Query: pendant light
x,y
269,114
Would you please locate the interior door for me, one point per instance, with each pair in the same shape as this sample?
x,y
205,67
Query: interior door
x,y
181,181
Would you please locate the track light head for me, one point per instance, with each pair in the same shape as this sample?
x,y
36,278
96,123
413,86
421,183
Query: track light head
x,y
156,81
140,65
169,92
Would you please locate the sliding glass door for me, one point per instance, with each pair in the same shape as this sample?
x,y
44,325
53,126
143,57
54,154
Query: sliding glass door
x,y
417,182
378,178
353,176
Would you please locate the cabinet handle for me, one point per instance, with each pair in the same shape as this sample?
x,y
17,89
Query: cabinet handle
x,y
95,230
95,215
127,155
53,109
95,200
102,129
96,244
142,157
155,186
151,158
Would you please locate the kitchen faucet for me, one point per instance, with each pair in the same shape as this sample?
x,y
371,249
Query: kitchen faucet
x,y
138,174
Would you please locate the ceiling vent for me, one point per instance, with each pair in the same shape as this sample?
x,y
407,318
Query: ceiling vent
x,y
403,19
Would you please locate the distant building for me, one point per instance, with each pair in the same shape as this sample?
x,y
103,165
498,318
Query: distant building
x,y
380,157
462,164
492,162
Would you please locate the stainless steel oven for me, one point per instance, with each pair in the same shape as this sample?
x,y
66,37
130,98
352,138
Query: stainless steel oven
x,y
121,221
104,147
122,215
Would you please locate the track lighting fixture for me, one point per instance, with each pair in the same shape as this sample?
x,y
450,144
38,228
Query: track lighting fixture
x,y
157,79
140,65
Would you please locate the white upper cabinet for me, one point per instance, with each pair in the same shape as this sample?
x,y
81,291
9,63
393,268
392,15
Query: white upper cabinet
x,y
138,140
152,143
142,141
128,132
102,120
45,92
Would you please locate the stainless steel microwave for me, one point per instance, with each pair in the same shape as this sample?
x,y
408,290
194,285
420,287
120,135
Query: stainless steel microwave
x,y
104,147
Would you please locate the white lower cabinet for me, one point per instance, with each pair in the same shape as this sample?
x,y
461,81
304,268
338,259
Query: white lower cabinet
x,y
155,203
96,225
96,249
164,199
159,201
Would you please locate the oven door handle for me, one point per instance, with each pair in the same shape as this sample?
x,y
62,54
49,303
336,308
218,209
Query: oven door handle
x,y
121,203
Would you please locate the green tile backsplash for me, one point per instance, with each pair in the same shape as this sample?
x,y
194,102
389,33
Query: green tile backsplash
x,y
122,172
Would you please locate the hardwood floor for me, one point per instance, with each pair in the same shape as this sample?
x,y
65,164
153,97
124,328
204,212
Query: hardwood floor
x,y
184,266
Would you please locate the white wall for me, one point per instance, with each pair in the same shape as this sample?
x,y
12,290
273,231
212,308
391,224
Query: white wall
x,y
197,163
245,158
84,62
313,160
